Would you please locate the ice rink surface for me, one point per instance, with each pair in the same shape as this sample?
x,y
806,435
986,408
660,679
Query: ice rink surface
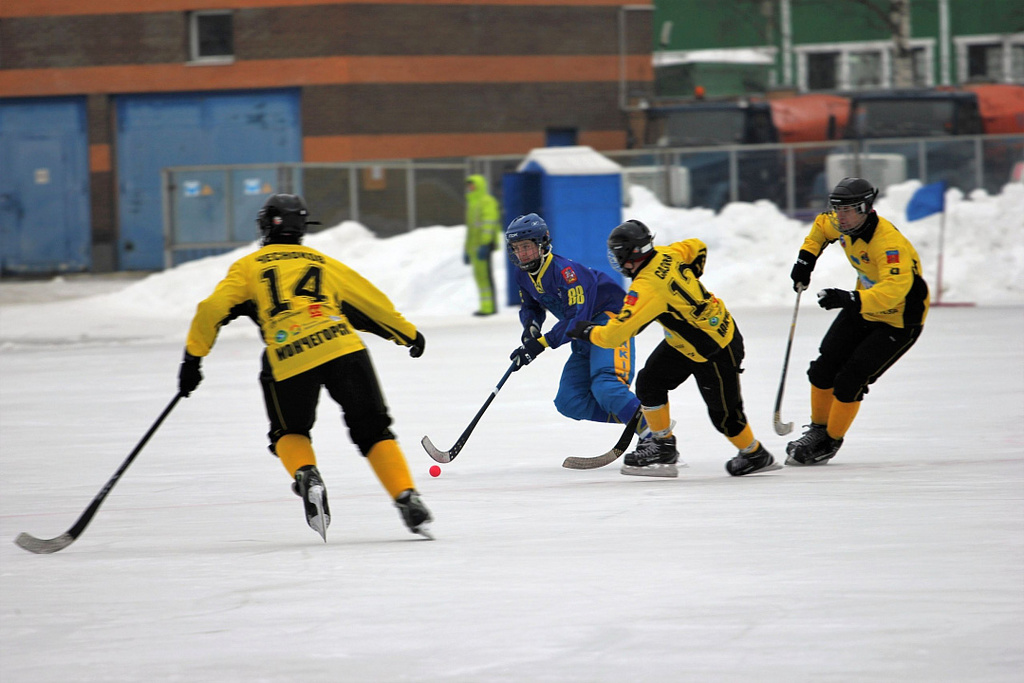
x,y
901,560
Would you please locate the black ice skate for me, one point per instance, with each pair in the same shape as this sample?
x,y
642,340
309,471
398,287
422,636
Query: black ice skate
x,y
414,513
749,463
310,487
815,434
815,454
653,457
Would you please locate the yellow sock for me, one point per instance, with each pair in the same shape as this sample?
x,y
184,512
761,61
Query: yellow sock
x,y
659,420
744,439
295,451
841,417
821,405
388,462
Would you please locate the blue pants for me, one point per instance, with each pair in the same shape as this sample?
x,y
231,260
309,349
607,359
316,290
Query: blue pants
x,y
595,384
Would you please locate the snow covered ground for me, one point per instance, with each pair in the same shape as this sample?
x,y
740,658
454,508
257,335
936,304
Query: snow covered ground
x,y
902,559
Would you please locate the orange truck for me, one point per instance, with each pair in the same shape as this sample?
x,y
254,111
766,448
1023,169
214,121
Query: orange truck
x,y
982,108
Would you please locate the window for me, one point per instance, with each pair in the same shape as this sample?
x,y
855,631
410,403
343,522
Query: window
x,y
910,117
211,37
696,127
865,69
823,70
859,66
984,60
923,75
560,137
998,58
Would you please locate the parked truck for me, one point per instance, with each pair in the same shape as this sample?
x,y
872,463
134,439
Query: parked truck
x,y
940,116
878,120
710,124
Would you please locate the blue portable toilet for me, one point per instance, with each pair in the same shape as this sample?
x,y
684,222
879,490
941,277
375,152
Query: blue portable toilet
x,y
578,192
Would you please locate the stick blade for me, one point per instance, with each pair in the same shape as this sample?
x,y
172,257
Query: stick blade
x,y
41,546
578,463
443,457
781,428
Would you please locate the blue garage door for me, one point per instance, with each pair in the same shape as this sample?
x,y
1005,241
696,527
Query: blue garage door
x,y
44,186
157,131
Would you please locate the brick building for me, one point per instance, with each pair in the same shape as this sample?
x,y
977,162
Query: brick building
x,y
97,95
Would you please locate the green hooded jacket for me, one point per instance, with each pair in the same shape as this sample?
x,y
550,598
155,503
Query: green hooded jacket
x,y
482,216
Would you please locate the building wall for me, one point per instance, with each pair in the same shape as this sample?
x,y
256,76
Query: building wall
x,y
379,79
480,74
745,25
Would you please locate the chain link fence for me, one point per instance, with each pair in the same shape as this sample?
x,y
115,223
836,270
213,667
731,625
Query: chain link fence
x,y
212,209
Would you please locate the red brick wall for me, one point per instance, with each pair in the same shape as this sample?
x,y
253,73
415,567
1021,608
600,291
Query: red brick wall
x,y
379,80
375,76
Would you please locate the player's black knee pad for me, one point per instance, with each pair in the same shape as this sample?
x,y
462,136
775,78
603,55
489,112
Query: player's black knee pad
x,y
368,436
849,389
727,424
649,389
820,373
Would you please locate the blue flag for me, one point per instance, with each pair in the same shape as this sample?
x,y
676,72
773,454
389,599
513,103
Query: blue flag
x,y
927,200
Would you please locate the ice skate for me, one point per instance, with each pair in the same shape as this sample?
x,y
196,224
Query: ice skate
x,y
815,434
815,454
310,487
414,513
653,457
749,463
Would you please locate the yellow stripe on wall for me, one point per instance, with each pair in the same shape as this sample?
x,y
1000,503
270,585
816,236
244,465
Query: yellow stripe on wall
x,y
45,8
329,148
279,73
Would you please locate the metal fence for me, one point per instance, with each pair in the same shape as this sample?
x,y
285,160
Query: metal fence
x,y
212,209
797,176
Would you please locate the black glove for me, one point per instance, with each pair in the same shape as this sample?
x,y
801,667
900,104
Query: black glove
x,y
189,375
801,273
483,252
416,348
839,298
465,257
581,330
525,354
531,331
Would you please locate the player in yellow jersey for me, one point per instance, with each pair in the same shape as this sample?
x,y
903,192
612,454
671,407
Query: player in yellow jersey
x,y
701,339
308,307
879,320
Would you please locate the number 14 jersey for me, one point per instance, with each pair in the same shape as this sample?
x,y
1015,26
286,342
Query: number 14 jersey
x,y
307,305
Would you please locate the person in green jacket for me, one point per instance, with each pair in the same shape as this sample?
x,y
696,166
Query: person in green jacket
x,y
482,226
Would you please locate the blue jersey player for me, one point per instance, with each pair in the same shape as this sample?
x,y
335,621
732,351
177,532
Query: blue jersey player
x,y
595,381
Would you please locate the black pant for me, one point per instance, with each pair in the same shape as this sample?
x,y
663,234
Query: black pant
x,y
350,380
718,380
855,352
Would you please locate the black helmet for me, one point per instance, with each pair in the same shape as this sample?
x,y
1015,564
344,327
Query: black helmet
x,y
283,216
855,192
629,246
